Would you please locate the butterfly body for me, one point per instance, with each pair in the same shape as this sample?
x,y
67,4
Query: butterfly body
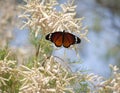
x,y
63,38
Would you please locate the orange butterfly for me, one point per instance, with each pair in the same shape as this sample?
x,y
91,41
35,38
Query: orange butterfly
x,y
63,38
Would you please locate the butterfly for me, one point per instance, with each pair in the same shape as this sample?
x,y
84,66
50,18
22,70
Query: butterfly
x,y
65,39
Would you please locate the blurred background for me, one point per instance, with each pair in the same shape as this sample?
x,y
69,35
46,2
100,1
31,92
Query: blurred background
x,y
102,18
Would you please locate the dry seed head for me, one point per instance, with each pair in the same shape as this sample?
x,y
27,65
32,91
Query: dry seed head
x,y
43,16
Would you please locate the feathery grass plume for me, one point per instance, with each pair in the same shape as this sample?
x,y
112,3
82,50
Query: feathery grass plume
x,y
101,85
9,77
52,78
42,17
113,83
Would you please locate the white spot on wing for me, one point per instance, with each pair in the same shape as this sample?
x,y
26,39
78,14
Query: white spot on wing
x,y
76,39
50,36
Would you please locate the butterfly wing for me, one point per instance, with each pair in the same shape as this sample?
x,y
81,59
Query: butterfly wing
x,y
70,39
63,38
56,38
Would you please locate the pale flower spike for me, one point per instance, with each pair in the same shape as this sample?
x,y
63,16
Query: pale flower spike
x,y
44,15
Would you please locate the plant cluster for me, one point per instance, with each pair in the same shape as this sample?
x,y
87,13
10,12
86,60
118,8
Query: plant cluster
x,y
41,73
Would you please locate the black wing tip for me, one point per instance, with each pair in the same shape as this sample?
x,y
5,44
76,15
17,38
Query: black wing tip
x,y
78,40
47,36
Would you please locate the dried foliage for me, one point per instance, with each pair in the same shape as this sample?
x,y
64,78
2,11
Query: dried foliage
x,y
42,74
42,17
102,85
53,78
